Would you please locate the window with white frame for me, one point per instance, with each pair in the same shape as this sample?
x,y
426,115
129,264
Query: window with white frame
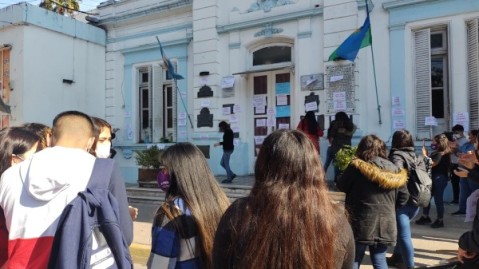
x,y
431,60
157,105
473,71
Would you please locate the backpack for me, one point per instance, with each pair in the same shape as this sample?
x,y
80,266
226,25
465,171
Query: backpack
x,y
419,181
88,233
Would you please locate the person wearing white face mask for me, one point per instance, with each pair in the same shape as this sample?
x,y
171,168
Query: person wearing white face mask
x,y
102,148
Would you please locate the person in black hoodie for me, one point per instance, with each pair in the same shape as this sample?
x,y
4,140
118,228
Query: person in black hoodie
x,y
403,155
374,187
228,148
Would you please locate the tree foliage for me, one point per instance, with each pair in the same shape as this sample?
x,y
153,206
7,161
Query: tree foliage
x,y
64,7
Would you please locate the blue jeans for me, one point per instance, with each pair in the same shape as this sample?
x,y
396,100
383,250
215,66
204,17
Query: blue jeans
x,y
439,183
225,163
467,186
377,252
329,159
404,247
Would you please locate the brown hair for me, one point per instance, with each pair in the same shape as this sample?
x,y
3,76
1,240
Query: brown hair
x,y
42,130
289,221
192,181
371,147
401,139
442,144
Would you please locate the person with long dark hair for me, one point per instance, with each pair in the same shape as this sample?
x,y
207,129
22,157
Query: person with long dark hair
x,y
310,127
340,133
441,163
184,226
288,220
17,144
228,148
403,155
374,187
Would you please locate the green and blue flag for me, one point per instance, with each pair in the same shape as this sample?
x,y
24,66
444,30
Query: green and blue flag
x,y
349,49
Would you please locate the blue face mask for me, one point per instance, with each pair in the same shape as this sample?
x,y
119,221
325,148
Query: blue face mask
x,y
163,180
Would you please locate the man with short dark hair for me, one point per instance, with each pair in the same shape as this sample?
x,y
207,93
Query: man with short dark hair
x,y
34,193
228,148
459,140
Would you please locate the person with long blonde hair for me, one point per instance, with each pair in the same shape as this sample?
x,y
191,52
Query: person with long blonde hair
x,y
288,221
184,226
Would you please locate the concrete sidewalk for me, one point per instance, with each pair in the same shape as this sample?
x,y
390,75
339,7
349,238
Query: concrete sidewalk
x,y
431,245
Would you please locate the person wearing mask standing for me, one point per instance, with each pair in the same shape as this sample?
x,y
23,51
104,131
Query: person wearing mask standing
x,y
228,149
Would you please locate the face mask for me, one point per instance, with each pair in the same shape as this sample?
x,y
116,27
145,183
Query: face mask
x,y
163,180
456,136
102,151
433,146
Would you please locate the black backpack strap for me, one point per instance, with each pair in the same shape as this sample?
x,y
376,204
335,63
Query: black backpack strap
x,y
101,173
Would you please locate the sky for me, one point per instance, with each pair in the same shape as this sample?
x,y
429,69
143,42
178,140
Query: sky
x,y
85,5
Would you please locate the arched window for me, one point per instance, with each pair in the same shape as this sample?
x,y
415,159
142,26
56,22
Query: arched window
x,y
272,55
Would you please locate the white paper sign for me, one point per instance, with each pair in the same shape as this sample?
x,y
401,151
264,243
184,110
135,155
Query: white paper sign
x,y
311,106
236,142
398,112
271,111
259,100
430,121
228,82
226,110
396,101
260,110
204,80
398,124
339,105
461,118
336,78
182,134
205,103
282,100
271,121
258,140
235,129
283,126
339,96
236,109
260,122
233,118
181,122
182,115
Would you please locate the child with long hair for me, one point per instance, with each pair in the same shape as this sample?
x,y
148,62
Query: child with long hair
x,y
184,227
288,220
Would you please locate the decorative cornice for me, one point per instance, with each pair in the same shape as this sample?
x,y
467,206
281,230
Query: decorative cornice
x,y
184,41
304,34
267,5
401,3
362,4
273,19
268,31
144,12
395,27
181,27
236,45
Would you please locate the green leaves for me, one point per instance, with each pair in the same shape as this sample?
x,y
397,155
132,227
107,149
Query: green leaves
x,y
344,157
64,7
149,158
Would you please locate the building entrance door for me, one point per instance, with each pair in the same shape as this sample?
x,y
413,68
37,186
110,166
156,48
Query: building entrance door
x,y
271,104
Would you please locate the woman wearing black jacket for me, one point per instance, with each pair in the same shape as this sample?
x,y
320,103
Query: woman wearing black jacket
x,y
374,187
403,154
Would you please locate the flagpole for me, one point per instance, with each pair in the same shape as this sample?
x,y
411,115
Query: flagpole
x,y
183,102
374,66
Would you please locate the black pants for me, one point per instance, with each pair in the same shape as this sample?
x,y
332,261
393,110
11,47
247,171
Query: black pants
x,y
455,183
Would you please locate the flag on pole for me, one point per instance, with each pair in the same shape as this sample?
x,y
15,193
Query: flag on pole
x,y
349,49
168,63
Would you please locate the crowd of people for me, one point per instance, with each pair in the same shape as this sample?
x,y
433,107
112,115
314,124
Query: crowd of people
x,y
287,221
